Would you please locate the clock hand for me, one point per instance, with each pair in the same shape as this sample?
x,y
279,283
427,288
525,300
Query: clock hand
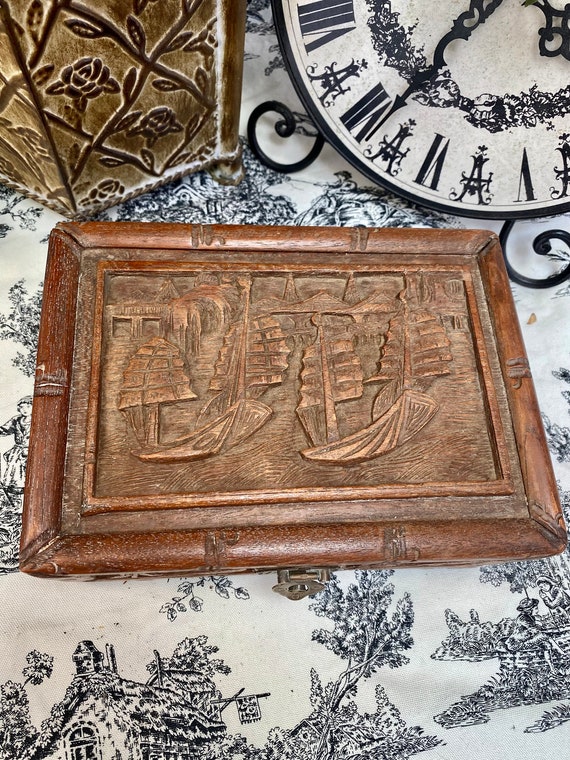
x,y
462,28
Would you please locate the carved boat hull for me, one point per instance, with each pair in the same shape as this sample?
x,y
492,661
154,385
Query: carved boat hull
x,y
236,424
410,412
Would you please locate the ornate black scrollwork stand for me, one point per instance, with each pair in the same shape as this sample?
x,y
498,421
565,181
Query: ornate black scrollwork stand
x,y
286,127
541,245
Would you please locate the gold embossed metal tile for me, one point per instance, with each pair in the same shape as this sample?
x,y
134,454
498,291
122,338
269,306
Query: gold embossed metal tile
x,y
219,399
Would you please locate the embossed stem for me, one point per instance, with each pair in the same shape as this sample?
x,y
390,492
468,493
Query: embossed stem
x,y
48,26
35,105
150,65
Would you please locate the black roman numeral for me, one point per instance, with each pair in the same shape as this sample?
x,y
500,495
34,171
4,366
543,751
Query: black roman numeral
x,y
525,180
430,171
369,112
325,20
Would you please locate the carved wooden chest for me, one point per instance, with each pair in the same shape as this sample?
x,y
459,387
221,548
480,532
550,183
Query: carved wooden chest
x,y
220,399
102,101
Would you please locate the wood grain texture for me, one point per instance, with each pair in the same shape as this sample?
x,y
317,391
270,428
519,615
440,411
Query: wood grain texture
x,y
248,398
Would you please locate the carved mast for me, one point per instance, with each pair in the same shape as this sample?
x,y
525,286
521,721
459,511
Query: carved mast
x,y
252,358
416,348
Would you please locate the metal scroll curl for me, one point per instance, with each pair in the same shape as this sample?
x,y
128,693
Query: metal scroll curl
x,y
288,125
541,245
284,127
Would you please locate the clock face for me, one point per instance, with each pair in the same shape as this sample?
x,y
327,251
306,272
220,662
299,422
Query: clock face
x,y
459,105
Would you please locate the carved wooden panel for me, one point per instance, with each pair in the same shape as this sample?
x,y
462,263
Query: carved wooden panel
x,y
229,398
105,100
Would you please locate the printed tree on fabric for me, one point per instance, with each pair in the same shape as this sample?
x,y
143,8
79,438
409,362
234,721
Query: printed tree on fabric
x,y
16,209
532,646
21,324
558,436
17,733
369,632
16,729
521,576
191,660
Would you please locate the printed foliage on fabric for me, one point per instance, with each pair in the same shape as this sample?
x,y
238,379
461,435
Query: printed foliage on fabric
x,y
267,197
180,706
532,647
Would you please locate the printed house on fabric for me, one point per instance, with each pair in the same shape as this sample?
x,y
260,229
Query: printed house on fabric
x,y
105,716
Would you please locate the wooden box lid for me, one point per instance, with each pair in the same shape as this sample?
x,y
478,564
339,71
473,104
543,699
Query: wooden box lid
x,y
214,399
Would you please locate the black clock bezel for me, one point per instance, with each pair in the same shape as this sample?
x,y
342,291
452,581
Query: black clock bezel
x,y
336,142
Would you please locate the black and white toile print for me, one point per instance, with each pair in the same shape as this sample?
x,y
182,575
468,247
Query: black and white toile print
x,y
453,664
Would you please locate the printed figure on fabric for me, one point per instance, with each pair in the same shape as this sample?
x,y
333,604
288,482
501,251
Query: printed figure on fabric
x,y
20,326
12,477
556,598
532,647
14,471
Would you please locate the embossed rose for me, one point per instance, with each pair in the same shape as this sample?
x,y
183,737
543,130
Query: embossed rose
x,y
84,80
157,123
106,190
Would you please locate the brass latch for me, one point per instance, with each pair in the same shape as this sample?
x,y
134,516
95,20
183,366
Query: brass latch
x,y
296,584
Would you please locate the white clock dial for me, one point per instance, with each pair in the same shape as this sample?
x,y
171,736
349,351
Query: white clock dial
x,y
459,105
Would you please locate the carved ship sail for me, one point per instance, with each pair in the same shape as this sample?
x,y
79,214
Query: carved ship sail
x,y
416,350
156,375
331,373
253,357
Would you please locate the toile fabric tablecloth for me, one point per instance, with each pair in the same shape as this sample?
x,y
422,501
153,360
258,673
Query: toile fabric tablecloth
x,y
385,664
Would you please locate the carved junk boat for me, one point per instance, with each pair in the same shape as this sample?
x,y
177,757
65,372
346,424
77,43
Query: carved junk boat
x,y
252,358
156,375
416,350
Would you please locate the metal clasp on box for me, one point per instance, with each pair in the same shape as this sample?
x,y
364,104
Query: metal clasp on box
x,y
296,584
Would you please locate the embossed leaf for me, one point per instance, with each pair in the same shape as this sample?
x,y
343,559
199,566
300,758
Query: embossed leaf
x,y
84,29
165,85
139,6
56,88
18,28
201,79
34,18
148,158
223,592
241,593
108,161
41,75
181,40
181,158
171,613
73,155
129,82
136,32
128,120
